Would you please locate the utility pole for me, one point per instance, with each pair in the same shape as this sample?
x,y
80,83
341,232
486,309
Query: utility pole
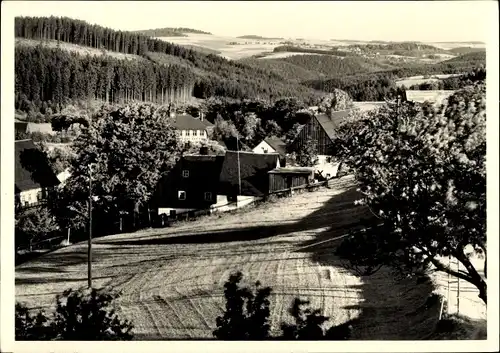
x,y
239,173
448,294
458,288
90,230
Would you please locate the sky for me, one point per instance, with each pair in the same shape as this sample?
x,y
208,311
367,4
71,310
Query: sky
x,y
359,20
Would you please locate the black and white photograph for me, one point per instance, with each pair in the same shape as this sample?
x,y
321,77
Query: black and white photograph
x,y
308,173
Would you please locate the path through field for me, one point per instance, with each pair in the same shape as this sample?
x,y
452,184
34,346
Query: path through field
x,y
172,278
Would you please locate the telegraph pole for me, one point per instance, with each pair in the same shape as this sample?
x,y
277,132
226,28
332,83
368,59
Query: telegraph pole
x,y
90,230
238,154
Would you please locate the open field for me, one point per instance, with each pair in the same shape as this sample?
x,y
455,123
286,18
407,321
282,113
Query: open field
x,y
172,278
82,50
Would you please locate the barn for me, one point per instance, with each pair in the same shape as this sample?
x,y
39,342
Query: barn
x,y
320,129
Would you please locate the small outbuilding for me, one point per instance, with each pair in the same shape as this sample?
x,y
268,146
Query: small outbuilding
x,y
285,178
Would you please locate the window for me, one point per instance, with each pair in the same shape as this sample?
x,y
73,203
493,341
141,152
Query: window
x,y
197,132
185,173
190,132
208,196
183,132
181,195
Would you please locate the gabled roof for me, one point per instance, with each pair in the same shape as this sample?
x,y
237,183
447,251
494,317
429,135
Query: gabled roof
x,y
32,169
253,169
277,144
187,122
330,123
207,123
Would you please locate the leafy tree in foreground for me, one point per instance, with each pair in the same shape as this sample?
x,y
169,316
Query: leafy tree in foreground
x,y
129,147
81,315
36,224
422,172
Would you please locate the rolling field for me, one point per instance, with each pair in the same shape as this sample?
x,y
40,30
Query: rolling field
x,y
172,278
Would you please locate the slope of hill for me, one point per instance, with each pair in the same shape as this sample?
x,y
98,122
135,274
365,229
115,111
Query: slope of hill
x,y
287,70
169,32
253,36
466,50
477,57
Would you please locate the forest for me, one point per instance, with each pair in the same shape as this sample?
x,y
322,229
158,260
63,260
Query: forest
x,y
453,83
380,85
169,32
214,75
52,78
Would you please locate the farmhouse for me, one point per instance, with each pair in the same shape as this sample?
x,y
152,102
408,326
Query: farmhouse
x,y
191,185
191,129
434,96
34,178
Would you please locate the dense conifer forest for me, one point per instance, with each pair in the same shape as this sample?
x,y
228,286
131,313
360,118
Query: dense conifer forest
x,y
111,80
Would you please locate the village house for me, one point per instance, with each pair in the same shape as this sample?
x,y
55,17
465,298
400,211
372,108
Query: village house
x,y
190,128
191,185
214,183
272,144
34,178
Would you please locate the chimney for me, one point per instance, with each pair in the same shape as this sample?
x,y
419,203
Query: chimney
x,y
201,116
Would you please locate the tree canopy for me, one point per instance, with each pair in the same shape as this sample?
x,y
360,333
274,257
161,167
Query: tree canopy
x,y
422,172
129,148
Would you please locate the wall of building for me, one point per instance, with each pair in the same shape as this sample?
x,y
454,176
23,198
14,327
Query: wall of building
x,y
263,147
193,135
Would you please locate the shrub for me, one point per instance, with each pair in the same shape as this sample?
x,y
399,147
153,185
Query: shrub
x,y
247,314
81,315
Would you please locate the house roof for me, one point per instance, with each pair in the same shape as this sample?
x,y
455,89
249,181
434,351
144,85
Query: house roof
x,y
292,170
277,144
253,168
207,123
187,122
32,169
330,123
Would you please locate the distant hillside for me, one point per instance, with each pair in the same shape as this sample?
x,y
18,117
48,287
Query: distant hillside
x,y
287,70
158,70
466,50
169,32
253,36
476,58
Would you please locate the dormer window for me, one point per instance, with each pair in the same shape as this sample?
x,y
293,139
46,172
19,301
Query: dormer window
x,y
185,173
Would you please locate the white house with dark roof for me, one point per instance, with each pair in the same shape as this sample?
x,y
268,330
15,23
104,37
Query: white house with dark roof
x,y
34,177
190,129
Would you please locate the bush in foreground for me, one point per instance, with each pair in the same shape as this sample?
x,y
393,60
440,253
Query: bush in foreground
x,y
81,315
247,317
